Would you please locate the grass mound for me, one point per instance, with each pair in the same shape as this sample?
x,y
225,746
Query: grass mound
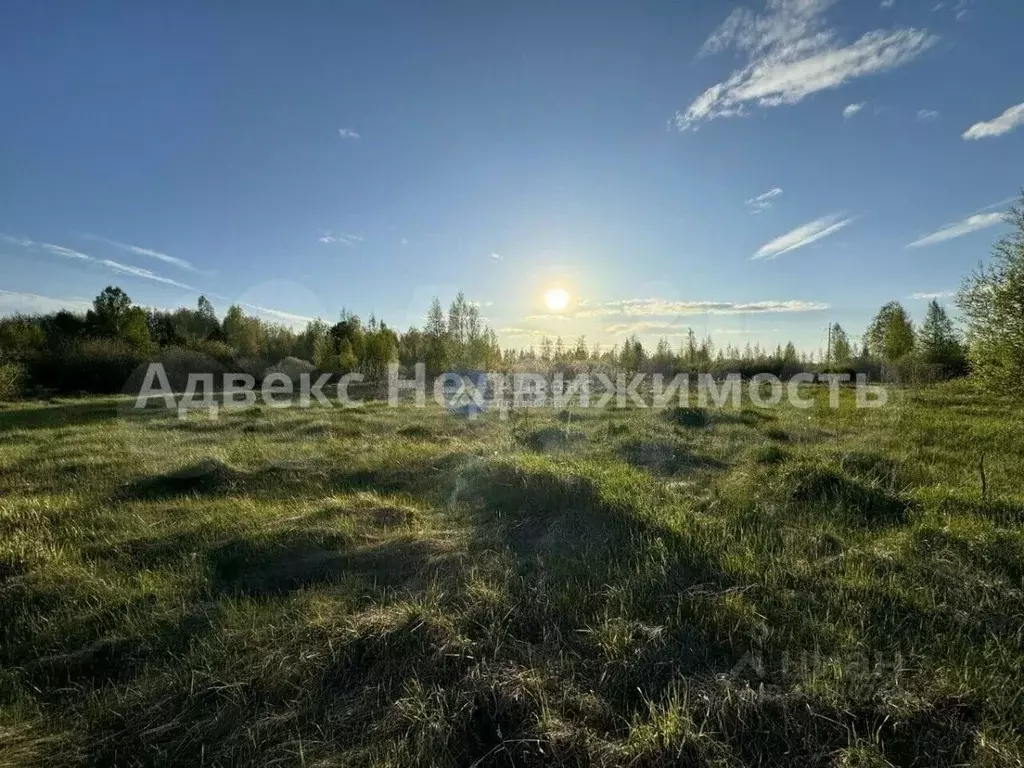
x,y
687,417
825,491
554,439
665,456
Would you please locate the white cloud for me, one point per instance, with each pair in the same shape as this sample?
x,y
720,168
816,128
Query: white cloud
x,y
667,308
497,257
14,303
145,274
347,133
888,3
121,269
290,319
934,295
343,239
138,250
530,334
763,201
548,318
1001,204
959,229
60,250
674,329
792,54
22,242
852,109
1005,123
927,114
802,236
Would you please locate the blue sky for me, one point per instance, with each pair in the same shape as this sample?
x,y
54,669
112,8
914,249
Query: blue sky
x,y
752,170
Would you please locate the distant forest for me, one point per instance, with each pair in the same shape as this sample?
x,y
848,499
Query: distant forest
x,y
99,350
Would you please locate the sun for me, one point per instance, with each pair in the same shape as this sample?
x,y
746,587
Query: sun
x,y
556,299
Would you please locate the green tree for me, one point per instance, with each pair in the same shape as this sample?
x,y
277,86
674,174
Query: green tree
x,y
243,333
938,341
109,312
135,329
890,336
438,352
992,302
842,352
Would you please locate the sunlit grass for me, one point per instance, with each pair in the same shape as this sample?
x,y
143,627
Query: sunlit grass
x,y
391,587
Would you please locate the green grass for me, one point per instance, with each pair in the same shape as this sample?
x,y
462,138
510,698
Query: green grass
x,y
402,587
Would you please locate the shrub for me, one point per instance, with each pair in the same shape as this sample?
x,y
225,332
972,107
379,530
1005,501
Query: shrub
x,y
99,366
12,380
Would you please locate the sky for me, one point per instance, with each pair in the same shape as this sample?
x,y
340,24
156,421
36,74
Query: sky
x,y
752,170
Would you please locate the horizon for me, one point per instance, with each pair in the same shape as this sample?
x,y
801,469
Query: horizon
x,y
574,170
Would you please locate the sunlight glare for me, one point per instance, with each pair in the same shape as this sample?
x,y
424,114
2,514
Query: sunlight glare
x,y
556,299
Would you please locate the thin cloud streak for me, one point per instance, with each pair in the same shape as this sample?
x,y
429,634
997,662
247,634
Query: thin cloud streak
x,y
802,236
145,274
138,250
667,308
924,296
70,253
958,229
343,238
763,202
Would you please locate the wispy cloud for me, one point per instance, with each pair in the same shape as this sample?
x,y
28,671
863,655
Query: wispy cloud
x,y
22,242
802,236
497,257
959,229
1005,123
888,3
113,266
347,133
138,250
668,308
927,114
852,109
668,329
551,318
70,253
763,201
924,296
1001,204
14,303
791,54
145,274
343,239
531,335
289,318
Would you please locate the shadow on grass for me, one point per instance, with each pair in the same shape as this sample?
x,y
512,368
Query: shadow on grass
x,y
574,546
211,477
665,457
56,416
267,566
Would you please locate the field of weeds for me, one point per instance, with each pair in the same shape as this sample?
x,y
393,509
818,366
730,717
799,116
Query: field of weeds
x,y
398,586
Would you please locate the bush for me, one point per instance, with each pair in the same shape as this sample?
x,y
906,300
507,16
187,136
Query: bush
x,y
12,380
98,366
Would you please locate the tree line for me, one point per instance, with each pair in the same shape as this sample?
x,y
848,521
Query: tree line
x,y
97,351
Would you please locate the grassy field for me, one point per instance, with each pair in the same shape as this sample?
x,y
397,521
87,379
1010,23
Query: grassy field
x,y
403,587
